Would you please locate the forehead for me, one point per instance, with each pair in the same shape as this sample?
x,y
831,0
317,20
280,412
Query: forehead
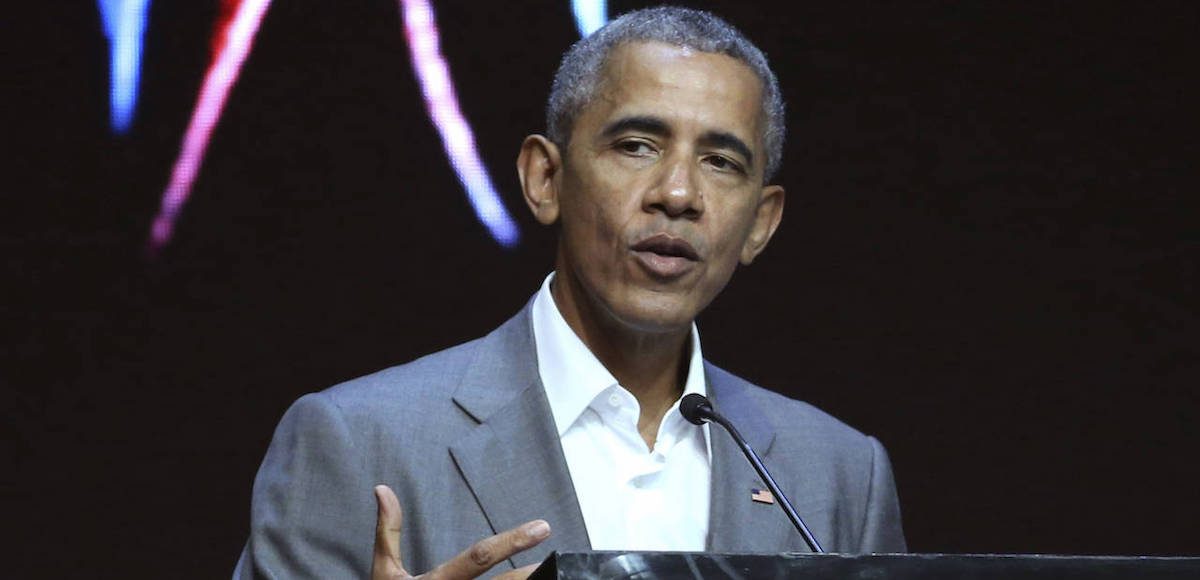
x,y
688,89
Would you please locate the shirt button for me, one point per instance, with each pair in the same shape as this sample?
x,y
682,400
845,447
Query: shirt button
x,y
614,400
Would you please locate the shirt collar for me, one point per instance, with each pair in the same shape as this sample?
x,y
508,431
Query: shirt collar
x,y
572,376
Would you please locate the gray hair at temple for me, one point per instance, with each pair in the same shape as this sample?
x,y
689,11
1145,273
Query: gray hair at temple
x,y
579,73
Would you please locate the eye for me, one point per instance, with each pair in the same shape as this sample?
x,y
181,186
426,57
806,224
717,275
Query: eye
x,y
635,147
724,164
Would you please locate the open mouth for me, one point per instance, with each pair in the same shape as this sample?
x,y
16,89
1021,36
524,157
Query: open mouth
x,y
667,246
664,256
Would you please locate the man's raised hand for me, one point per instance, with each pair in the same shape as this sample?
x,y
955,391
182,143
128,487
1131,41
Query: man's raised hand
x,y
470,563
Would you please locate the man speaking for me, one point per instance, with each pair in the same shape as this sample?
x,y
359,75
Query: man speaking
x,y
560,429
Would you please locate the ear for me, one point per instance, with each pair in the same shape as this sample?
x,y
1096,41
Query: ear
x,y
539,167
766,218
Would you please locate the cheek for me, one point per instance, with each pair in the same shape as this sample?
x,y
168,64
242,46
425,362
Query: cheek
x,y
721,270
593,234
601,213
732,235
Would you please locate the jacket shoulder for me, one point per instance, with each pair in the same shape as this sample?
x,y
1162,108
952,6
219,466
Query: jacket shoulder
x,y
414,384
795,418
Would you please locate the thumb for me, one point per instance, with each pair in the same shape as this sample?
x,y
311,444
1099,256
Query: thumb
x,y
389,518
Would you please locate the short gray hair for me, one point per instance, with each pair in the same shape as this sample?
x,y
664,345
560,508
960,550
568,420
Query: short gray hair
x,y
579,73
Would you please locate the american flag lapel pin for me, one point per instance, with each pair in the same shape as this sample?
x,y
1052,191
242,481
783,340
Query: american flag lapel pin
x,y
761,496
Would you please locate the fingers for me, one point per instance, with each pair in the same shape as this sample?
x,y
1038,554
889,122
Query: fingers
x,y
388,520
488,552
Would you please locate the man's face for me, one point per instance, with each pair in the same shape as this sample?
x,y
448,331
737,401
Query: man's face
x,y
660,193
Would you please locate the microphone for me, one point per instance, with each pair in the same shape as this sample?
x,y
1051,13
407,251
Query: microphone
x,y
696,409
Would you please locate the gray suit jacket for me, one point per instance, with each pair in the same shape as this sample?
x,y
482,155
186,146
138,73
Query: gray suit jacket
x,y
466,439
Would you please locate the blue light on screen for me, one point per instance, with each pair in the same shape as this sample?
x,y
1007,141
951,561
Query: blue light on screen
x,y
125,27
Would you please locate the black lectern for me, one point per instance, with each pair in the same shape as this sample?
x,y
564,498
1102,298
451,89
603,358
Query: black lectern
x,y
681,565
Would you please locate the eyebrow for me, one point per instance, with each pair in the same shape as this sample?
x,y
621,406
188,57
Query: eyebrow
x,y
642,123
656,126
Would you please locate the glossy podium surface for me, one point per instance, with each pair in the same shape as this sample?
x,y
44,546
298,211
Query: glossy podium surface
x,y
654,565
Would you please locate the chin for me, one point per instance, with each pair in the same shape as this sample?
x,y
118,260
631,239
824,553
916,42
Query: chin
x,y
657,313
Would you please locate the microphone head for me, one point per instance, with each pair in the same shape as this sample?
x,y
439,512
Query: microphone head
x,y
695,408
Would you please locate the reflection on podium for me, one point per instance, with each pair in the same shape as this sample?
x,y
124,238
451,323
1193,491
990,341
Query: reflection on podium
x,y
689,565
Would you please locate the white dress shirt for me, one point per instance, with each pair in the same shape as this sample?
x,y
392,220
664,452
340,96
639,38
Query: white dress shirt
x,y
632,497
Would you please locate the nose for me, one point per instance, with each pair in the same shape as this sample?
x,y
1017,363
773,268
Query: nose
x,y
677,192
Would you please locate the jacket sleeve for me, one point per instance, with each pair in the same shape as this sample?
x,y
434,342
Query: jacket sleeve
x,y
881,530
312,512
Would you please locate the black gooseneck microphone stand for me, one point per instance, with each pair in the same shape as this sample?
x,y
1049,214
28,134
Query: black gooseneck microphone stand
x,y
697,410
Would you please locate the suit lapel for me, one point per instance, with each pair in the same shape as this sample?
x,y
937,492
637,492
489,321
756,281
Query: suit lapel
x,y
736,523
514,465
513,460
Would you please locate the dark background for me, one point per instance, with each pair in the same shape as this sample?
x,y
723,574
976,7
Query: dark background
x,y
988,259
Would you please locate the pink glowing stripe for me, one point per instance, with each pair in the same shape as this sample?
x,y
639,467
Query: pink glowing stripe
x,y
217,82
442,104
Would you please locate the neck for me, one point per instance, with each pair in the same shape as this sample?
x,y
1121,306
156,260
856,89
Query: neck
x,y
651,365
